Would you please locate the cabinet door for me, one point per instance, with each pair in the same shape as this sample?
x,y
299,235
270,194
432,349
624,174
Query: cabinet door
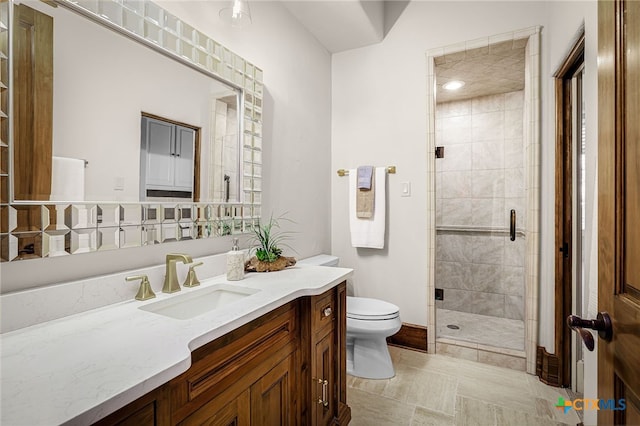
x,y
185,142
234,413
152,409
324,381
272,396
160,142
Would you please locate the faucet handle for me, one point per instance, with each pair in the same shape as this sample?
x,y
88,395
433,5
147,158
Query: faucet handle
x,y
144,292
192,279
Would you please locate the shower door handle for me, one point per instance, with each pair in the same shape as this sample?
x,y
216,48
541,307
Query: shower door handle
x,y
512,227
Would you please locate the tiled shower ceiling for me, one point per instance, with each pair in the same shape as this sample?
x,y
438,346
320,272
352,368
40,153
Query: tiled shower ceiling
x,y
498,68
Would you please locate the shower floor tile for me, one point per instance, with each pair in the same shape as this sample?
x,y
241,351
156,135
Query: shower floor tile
x,y
481,329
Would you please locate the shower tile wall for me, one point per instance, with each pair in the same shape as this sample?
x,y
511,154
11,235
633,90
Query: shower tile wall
x,y
479,180
225,156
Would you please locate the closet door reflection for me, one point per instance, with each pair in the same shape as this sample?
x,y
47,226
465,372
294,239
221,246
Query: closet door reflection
x,y
167,160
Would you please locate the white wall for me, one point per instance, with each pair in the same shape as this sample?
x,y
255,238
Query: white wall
x,y
297,111
297,117
379,117
565,18
102,82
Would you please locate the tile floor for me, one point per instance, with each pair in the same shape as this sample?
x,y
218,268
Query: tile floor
x,y
476,328
440,390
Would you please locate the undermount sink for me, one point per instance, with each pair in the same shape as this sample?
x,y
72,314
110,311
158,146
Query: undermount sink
x,y
198,302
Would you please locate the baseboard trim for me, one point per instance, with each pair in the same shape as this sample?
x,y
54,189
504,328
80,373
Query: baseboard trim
x,y
548,367
410,336
344,414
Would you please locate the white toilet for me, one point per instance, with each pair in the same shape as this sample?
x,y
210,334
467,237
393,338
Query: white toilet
x,y
369,323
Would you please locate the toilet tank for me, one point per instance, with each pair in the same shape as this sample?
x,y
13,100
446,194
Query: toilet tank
x,y
321,260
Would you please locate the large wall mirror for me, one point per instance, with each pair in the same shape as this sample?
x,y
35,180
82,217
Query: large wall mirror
x,y
125,127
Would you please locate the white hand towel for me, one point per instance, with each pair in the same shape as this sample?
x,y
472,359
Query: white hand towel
x,y
67,179
368,233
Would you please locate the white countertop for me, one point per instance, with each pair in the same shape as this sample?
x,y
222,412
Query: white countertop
x,y
80,368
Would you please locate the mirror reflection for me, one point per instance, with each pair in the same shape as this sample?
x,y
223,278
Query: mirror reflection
x,y
100,117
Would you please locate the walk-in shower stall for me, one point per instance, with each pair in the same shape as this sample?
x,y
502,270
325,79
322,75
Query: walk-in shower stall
x,y
485,190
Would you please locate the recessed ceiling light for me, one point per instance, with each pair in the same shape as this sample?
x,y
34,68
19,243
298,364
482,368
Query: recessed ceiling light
x,y
453,85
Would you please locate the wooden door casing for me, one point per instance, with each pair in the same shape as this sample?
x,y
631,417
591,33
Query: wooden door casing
x,y
32,104
564,202
619,206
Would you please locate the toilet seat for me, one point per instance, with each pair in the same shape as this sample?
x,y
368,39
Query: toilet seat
x,y
362,308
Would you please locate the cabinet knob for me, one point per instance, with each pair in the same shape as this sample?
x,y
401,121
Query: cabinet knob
x,y
327,311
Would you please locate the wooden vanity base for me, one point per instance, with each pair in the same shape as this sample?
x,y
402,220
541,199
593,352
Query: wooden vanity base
x,y
287,367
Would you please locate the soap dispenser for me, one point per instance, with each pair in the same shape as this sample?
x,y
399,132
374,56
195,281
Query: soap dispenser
x,y
235,263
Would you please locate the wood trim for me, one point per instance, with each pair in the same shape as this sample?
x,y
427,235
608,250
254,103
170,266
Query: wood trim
x,y
609,129
548,367
32,104
563,224
344,411
196,168
564,210
410,336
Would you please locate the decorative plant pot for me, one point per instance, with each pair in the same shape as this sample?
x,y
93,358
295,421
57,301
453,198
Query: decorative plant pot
x,y
255,265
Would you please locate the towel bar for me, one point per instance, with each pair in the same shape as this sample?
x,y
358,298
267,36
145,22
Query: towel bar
x,y
390,169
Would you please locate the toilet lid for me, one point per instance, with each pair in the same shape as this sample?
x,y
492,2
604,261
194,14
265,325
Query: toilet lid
x,y
370,309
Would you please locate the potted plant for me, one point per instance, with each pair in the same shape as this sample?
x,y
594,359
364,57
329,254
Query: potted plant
x,y
267,244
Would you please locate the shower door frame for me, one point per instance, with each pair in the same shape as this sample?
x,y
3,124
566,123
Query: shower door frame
x,y
532,182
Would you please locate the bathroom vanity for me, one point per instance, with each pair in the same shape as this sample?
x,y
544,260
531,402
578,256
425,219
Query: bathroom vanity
x,y
285,368
274,357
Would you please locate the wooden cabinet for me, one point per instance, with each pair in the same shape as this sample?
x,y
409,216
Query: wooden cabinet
x,y
272,396
150,410
323,355
287,367
324,381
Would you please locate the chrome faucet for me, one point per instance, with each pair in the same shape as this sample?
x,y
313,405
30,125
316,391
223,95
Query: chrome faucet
x,y
171,284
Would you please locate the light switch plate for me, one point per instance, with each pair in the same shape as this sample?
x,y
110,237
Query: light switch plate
x,y
118,184
405,190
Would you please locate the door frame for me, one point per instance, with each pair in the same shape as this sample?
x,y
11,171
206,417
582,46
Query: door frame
x,y
532,183
564,173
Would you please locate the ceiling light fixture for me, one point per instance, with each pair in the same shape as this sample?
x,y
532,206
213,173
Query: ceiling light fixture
x,y
453,85
237,14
